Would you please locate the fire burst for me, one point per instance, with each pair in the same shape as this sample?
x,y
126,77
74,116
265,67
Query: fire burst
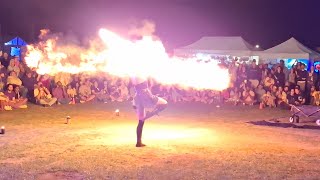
x,y
145,58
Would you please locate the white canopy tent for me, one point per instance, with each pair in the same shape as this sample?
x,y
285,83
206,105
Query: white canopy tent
x,y
290,49
233,46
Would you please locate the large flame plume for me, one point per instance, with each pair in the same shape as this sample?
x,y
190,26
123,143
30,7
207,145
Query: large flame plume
x,y
115,55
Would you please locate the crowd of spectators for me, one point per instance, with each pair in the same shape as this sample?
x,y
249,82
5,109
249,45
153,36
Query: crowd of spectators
x,y
275,86
250,84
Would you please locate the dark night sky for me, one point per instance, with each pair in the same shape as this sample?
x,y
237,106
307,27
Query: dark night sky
x,y
179,22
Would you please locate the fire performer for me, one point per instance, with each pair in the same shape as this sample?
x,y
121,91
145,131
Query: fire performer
x,y
145,99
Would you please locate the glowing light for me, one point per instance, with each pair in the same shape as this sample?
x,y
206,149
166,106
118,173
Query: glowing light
x,y
257,46
154,135
145,58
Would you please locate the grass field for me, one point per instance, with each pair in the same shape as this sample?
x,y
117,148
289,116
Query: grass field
x,y
185,142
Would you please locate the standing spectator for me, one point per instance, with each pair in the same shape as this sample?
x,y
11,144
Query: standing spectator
x,y
284,69
280,78
302,76
233,69
242,75
311,81
292,78
60,93
254,74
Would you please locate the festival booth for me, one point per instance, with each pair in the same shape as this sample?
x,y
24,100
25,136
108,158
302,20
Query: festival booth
x,y
217,47
291,51
16,45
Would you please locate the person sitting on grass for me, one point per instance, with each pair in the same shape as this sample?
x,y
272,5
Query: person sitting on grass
x,y
234,96
14,80
60,93
72,93
269,81
282,99
314,96
43,96
85,93
4,102
267,100
248,96
260,92
98,92
124,91
13,102
19,98
299,97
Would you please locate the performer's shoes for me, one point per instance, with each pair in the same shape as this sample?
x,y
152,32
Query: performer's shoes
x,y
140,145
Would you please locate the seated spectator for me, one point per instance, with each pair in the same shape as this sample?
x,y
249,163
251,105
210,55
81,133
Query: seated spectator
x,y
14,80
45,81
85,93
176,96
4,102
98,92
269,80
28,82
260,92
19,98
314,96
282,99
234,96
280,77
286,89
60,93
267,100
248,96
14,66
13,102
72,93
124,92
43,96
299,97
3,77
291,99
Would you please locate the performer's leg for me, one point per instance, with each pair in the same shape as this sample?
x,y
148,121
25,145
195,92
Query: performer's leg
x,y
160,106
139,134
141,115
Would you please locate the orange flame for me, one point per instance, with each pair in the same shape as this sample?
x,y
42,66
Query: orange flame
x,y
120,57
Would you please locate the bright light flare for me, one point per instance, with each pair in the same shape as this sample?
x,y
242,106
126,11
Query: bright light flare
x,y
145,58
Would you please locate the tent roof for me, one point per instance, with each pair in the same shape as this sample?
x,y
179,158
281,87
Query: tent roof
x,y
221,45
17,41
290,49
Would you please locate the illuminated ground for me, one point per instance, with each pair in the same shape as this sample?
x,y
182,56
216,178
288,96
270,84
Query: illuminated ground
x,y
185,142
